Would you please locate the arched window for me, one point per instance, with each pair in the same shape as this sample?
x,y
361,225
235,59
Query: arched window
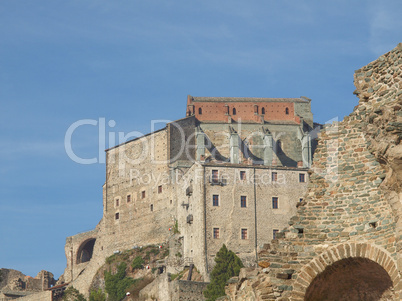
x,y
200,111
234,111
263,111
287,111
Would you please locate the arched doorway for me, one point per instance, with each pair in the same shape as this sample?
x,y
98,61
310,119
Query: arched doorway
x,y
351,279
85,251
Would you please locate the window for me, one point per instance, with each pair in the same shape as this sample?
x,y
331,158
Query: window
x,y
152,207
117,202
302,178
274,233
243,233
117,216
287,111
243,201
274,203
234,111
274,176
160,189
143,194
215,200
242,175
200,111
216,233
215,176
128,198
263,111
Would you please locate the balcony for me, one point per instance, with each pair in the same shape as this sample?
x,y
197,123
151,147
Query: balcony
x,y
221,181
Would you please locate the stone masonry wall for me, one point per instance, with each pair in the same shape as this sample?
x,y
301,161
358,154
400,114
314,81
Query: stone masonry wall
x,y
183,290
229,217
379,87
258,214
348,212
138,190
42,296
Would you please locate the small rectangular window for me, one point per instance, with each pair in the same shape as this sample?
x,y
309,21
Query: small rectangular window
x,y
216,233
117,203
274,176
242,175
243,233
274,203
128,198
152,207
117,216
302,178
215,200
143,194
243,201
274,233
160,189
215,176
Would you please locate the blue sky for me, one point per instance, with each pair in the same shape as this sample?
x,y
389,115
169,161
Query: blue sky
x,y
136,61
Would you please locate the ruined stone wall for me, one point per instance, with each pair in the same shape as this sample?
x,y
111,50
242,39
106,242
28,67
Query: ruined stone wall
x,y
187,290
379,87
14,283
349,212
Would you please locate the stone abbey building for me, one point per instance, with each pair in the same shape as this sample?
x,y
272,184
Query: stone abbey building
x,y
231,172
237,170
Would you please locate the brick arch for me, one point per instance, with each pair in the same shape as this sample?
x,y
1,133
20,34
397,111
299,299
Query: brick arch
x,y
339,252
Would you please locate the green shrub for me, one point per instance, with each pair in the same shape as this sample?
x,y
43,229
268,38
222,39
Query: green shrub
x,y
72,294
227,265
110,259
174,276
138,285
117,284
147,256
97,295
124,256
138,263
155,251
176,228
166,253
